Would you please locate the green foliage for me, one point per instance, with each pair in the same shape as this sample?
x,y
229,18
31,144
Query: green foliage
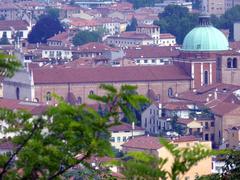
x,y
49,145
47,26
185,158
83,37
52,12
133,25
8,65
227,20
4,39
141,165
177,20
142,3
177,127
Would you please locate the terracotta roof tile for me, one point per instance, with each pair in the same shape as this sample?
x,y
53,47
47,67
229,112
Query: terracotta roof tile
x,y
124,127
143,142
223,108
151,52
108,74
32,107
15,24
131,35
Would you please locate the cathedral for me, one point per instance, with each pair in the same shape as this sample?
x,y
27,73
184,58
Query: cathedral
x,y
205,58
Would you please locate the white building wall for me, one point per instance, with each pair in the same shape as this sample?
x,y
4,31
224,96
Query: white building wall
x,y
119,138
21,80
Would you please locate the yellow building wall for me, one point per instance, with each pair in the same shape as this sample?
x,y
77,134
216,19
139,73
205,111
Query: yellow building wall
x,y
203,167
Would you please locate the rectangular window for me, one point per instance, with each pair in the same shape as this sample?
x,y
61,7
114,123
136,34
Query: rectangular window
x,y
212,124
212,137
206,125
118,139
124,139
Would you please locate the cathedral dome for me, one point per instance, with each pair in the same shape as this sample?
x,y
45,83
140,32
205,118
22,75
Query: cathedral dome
x,y
205,37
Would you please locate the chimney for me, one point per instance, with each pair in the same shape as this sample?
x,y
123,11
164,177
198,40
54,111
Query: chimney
x,y
215,95
133,125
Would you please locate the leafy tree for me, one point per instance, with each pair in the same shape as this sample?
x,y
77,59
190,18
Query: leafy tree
x,y
227,20
231,169
177,20
49,145
4,39
142,3
8,65
140,165
83,37
47,26
53,12
133,25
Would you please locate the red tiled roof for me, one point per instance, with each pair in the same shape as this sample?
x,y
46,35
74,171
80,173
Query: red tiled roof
x,y
143,142
176,105
167,36
124,127
184,121
131,35
153,143
207,92
147,26
15,24
223,108
151,52
6,145
108,74
32,107
59,37
95,47
186,139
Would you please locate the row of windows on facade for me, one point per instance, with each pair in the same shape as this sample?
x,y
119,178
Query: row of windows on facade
x,y
48,96
151,61
119,139
79,99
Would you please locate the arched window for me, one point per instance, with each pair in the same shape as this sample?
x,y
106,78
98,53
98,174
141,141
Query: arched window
x,y
205,77
170,92
48,96
17,93
36,100
79,100
229,63
91,92
234,63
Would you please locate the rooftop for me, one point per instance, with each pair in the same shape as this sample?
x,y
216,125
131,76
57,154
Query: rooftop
x,y
151,52
108,74
32,107
125,127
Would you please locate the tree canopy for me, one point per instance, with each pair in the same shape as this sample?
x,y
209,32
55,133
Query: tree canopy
x,y
227,20
133,25
142,3
177,20
4,39
48,145
83,37
47,26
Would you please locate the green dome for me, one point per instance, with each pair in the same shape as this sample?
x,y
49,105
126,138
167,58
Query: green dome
x,y
205,38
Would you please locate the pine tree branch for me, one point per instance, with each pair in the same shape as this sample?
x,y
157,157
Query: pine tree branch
x,y
5,166
58,173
